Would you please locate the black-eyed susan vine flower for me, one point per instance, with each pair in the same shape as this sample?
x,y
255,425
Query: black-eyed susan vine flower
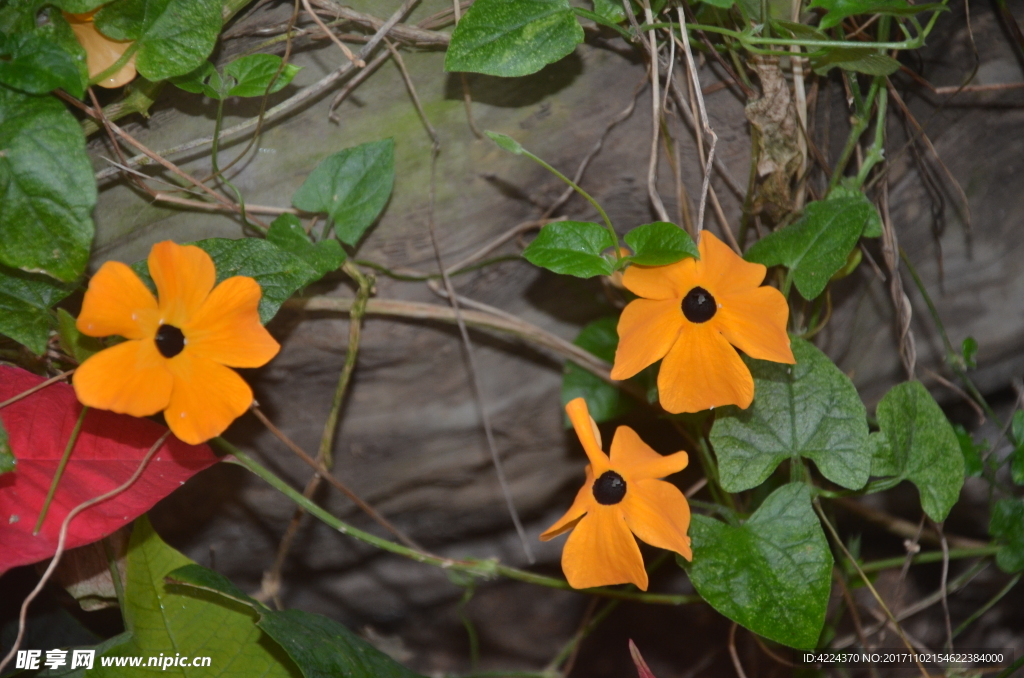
x,y
179,347
622,496
692,313
101,52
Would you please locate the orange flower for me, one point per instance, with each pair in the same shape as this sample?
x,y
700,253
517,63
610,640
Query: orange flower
x,y
622,494
100,51
689,313
179,348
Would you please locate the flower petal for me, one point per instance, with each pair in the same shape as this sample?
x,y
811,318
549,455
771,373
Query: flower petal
x,y
657,512
227,327
589,435
117,303
583,503
101,52
634,460
721,271
601,552
662,282
206,397
755,323
647,330
130,378
701,371
184,276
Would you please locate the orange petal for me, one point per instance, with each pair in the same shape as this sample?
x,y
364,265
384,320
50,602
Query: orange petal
x,y
101,52
206,398
601,552
721,271
701,371
117,303
130,378
755,323
227,327
634,460
583,503
662,282
184,276
647,330
589,435
657,512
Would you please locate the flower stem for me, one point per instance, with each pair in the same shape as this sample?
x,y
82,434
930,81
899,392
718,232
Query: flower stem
x,y
60,469
116,66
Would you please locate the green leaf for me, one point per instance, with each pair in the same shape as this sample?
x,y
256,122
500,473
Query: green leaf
x,y
973,465
571,248
36,65
793,29
772,574
173,36
74,343
604,401
923,447
1017,456
513,37
47,189
816,245
860,59
506,142
810,409
287,233
168,619
840,9
319,646
969,350
25,302
253,73
1007,526
352,186
77,6
873,227
7,459
203,80
610,10
659,244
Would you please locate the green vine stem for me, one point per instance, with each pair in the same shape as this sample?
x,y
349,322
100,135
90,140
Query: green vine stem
x,y
60,469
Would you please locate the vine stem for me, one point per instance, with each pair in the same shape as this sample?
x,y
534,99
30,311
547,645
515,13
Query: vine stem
x,y
60,469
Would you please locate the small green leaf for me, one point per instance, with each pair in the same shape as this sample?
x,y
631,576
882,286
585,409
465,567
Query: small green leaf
x,y
513,37
923,446
319,646
174,36
873,227
816,245
47,188
352,186
973,465
860,59
610,10
287,233
506,142
1017,456
793,29
772,574
604,401
969,350
1007,526
74,343
25,302
571,248
253,73
7,459
36,65
840,9
659,244
203,80
78,6
810,409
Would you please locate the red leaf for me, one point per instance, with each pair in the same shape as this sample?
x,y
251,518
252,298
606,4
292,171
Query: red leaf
x,y
109,449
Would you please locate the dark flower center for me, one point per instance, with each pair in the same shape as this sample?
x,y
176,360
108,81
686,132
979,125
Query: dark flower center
x,y
610,488
169,341
699,306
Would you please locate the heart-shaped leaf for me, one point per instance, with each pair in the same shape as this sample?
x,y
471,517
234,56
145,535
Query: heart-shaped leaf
x,y
571,248
659,244
287,233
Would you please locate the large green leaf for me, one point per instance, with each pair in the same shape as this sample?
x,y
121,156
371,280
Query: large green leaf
x,y
37,65
287,233
659,244
1007,526
772,574
47,189
352,186
165,619
571,248
321,647
921,447
817,245
840,9
173,36
603,400
810,409
25,302
513,37
247,76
